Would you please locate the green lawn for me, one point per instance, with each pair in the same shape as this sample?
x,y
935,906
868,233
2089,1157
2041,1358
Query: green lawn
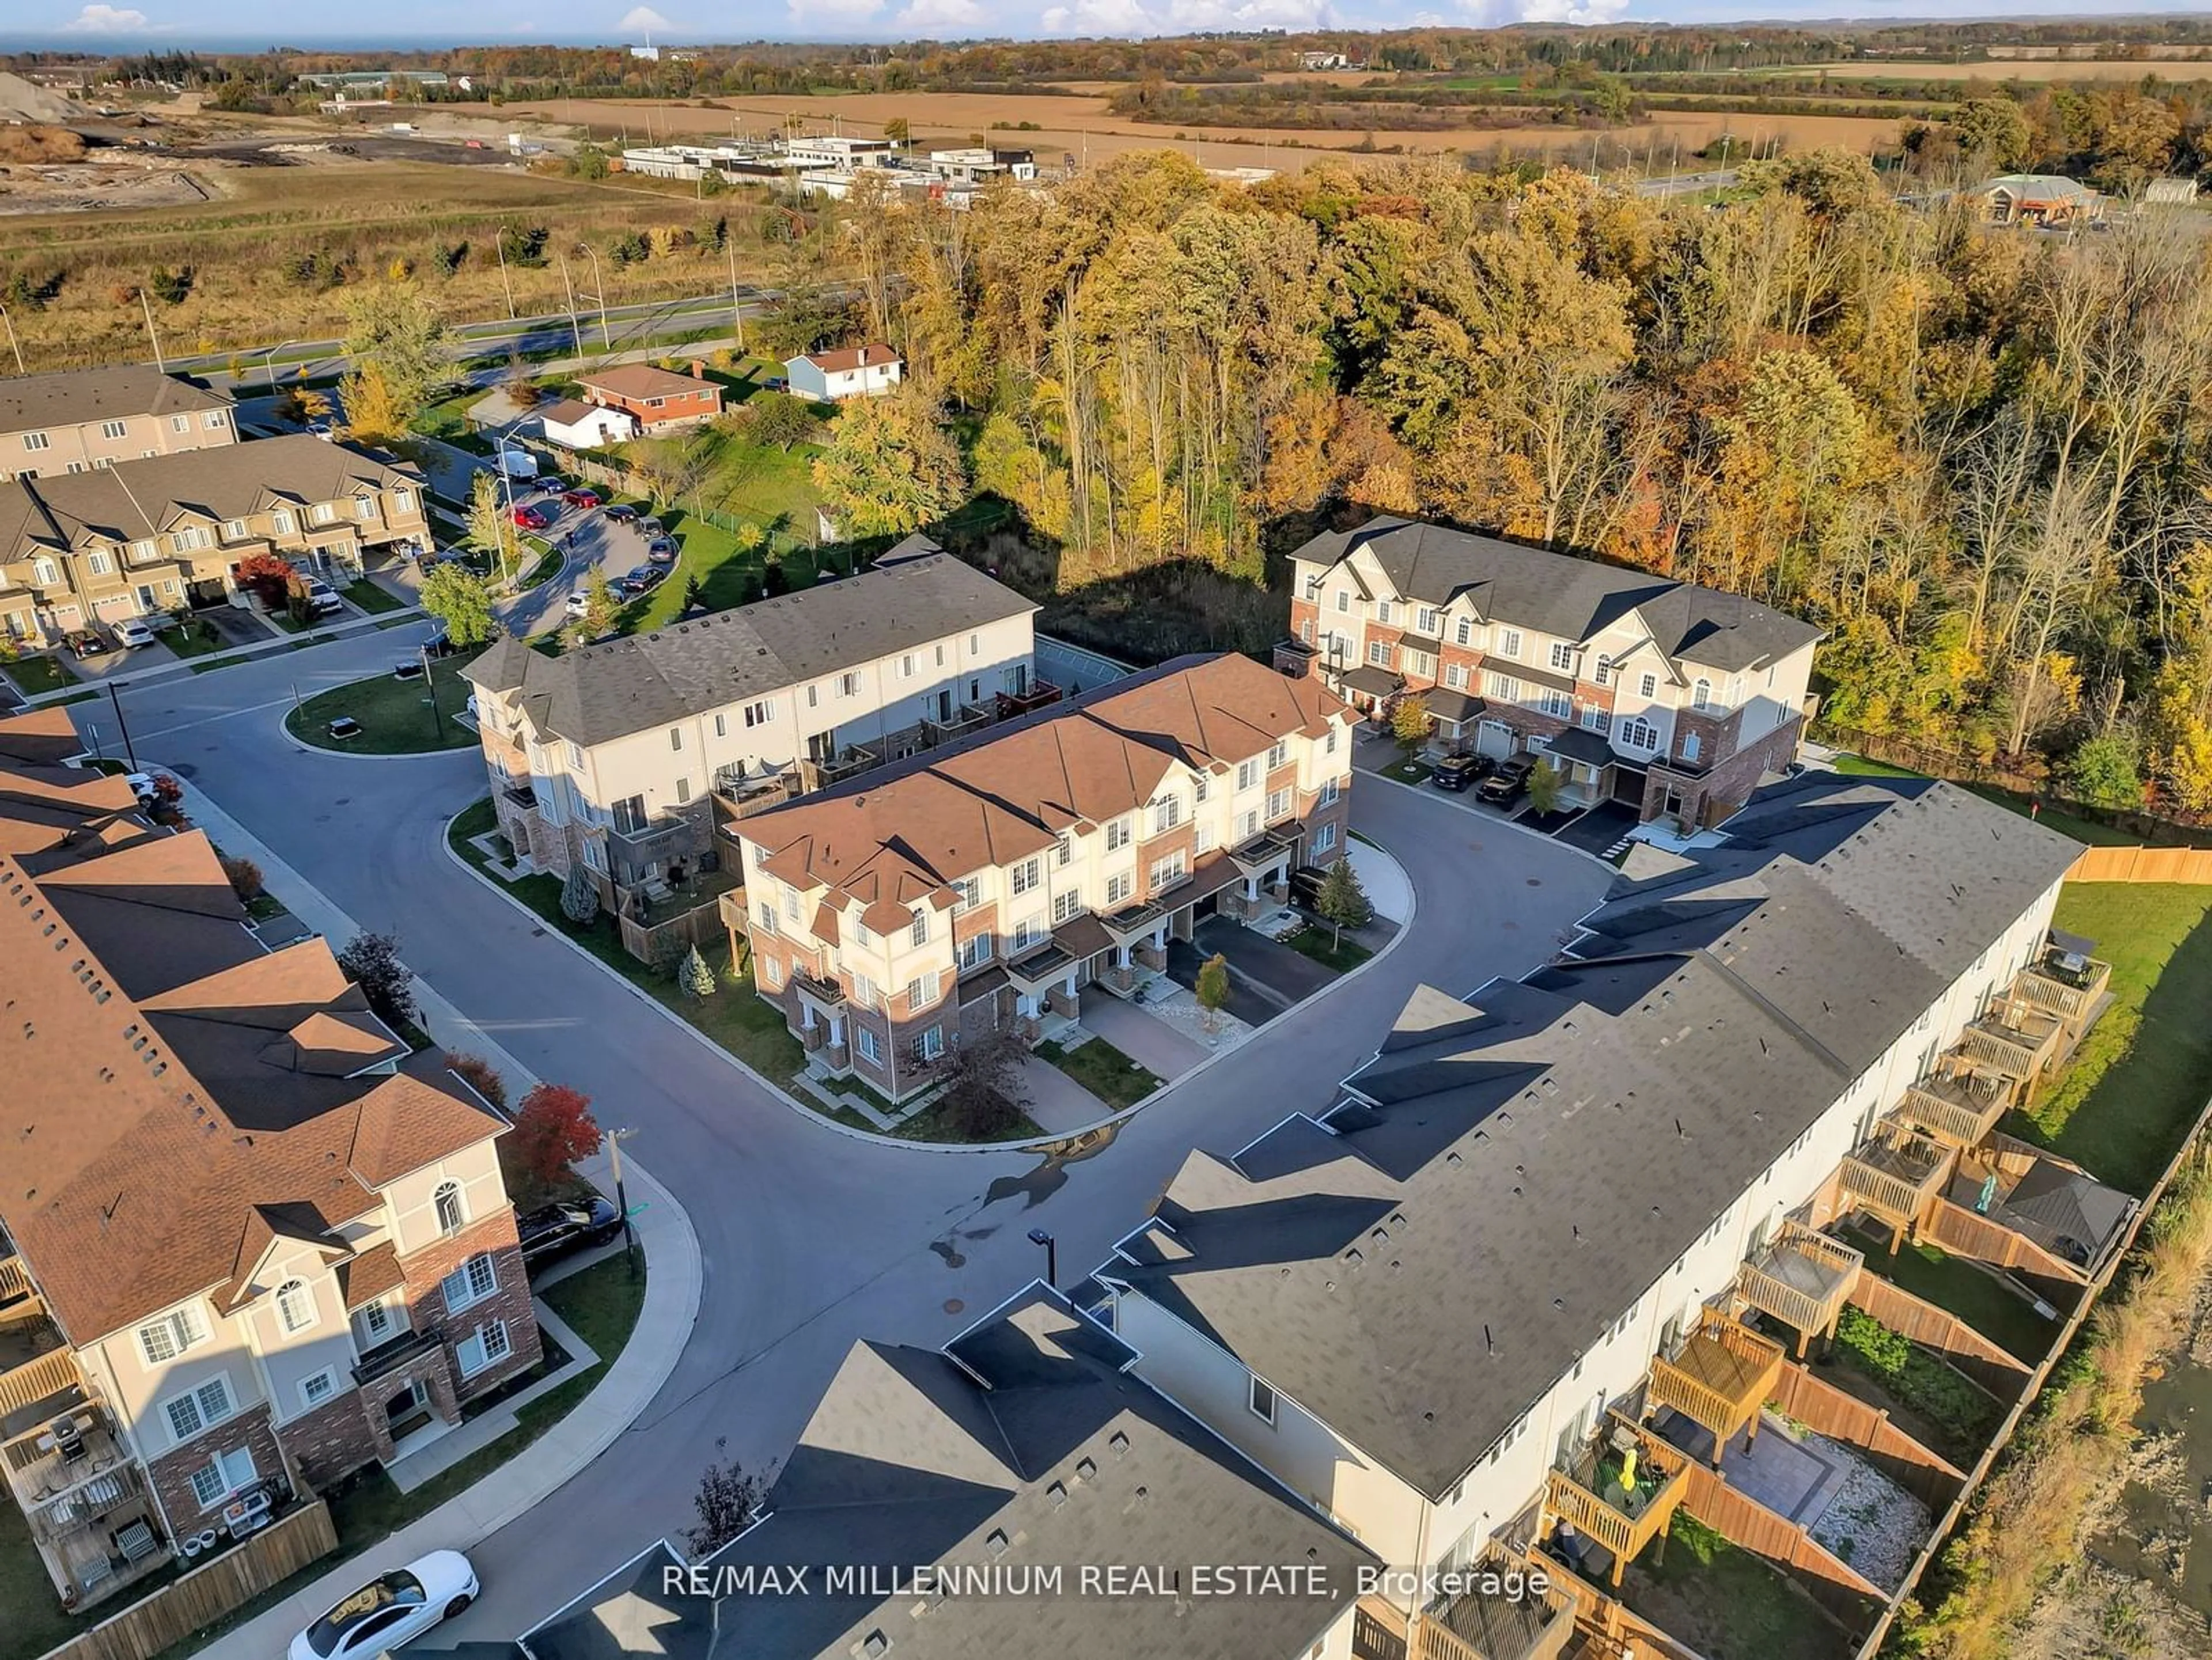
x,y
2141,1076
368,597
1726,1603
2003,1317
733,1016
1406,772
33,675
934,1126
1320,944
548,560
394,717
1104,1070
191,638
1859,764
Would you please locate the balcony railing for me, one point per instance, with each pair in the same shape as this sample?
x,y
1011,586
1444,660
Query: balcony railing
x,y
1803,1279
15,1282
1958,1109
1622,1515
387,1357
2056,986
1474,1627
1722,1377
2014,1039
50,1376
1009,704
44,1466
1897,1173
741,797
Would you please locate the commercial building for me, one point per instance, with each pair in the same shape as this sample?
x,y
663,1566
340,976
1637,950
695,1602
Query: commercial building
x,y
626,755
85,418
1672,698
980,889
1521,1241
142,538
250,1240
1069,1508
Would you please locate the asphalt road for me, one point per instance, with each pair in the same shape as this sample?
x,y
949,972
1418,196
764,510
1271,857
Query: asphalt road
x,y
812,1239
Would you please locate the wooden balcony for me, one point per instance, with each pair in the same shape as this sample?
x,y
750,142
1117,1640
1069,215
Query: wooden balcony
x,y
52,1375
1803,1279
1722,1376
1958,1109
15,1287
1587,1492
43,1472
2014,1039
1479,1625
1898,1174
2054,986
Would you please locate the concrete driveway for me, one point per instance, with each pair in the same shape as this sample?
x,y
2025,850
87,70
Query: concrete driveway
x,y
1152,1045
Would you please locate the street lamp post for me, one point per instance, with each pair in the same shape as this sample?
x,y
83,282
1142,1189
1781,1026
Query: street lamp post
x,y
12,343
621,1196
575,333
1039,1236
269,361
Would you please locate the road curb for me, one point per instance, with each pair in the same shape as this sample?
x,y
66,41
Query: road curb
x,y
182,670
1043,1144
1485,819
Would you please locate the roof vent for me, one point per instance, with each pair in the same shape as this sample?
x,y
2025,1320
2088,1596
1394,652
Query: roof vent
x,y
995,1542
1119,1445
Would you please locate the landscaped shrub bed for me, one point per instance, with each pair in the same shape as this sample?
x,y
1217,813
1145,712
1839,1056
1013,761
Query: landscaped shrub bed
x,y
1917,1377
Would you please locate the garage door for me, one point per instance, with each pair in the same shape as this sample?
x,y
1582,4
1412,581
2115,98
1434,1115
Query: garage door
x,y
1493,739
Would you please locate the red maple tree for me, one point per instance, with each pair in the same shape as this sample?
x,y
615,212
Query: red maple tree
x,y
553,1129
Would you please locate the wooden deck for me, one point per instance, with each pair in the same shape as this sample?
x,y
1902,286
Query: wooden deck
x,y
2020,1041
1722,1377
1959,1108
1898,1174
1479,1626
2074,998
1803,1279
1588,1493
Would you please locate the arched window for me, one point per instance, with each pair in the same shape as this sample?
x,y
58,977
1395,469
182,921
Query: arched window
x,y
1701,694
295,1306
919,934
451,1216
1603,673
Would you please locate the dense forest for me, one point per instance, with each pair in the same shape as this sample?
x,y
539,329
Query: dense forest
x,y
1976,457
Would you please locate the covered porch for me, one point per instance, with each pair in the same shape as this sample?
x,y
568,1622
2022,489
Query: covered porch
x,y
1262,880
1610,1496
1720,1378
1585,763
1802,1278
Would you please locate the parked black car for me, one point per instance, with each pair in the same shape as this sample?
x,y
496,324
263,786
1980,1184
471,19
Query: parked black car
x,y
620,514
1510,782
1456,772
572,1224
641,579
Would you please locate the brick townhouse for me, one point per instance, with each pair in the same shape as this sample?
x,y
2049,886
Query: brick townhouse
x,y
1674,699
250,1241
660,400
984,886
146,537
51,425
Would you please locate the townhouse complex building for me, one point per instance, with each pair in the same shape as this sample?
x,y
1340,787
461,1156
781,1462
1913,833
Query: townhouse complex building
x,y
625,755
250,1241
144,537
1052,1486
1519,1245
1671,698
981,887
53,425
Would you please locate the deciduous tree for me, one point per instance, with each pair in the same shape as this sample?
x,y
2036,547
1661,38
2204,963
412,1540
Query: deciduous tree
x,y
890,467
372,962
553,1128
457,597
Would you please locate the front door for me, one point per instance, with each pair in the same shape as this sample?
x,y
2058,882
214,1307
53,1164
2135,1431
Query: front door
x,y
822,745
945,703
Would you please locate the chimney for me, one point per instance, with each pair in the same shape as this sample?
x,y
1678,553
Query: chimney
x,y
862,358
698,370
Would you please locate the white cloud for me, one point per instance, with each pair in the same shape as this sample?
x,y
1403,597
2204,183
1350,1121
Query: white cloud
x,y
1496,13
809,14
944,18
108,20
643,19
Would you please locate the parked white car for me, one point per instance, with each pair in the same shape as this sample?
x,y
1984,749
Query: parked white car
x,y
392,1609
133,632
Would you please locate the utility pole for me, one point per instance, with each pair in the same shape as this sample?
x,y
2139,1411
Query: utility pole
x,y
570,287
1039,1236
499,246
123,725
621,1196
600,277
430,686
153,339
12,344
737,307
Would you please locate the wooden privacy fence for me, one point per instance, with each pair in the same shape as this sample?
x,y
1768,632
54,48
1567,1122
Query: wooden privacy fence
x,y
1999,1371
1961,1233
1625,1633
2142,864
1838,1586
208,1594
1823,1408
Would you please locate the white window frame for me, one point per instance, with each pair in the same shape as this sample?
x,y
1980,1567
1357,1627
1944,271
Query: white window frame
x,y
183,1328
1117,888
296,1308
114,428
327,1377
203,1411
1261,1399
481,1341
466,1274
1648,687
1169,871
1028,874
224,1468
452,1189
1509,643
917,932
871,1050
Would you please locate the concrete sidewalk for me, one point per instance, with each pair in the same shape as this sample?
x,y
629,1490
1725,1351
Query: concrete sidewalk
x,y
179,668
664,1324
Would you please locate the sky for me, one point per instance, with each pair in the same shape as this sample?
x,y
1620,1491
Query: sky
x,y
251,24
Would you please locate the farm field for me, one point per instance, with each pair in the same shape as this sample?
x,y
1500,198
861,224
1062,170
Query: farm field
x,y
1083,126
2013,69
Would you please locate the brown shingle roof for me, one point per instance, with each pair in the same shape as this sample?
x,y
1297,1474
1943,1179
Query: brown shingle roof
x,y
853,357
642,380
897,837
31,401
151,1143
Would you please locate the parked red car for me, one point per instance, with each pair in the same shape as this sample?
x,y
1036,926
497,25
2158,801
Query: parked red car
x,y
581,498
530,517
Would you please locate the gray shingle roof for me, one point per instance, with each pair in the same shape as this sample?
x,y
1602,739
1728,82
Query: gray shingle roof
x,y
1525,1166
687,668
1026,1446
1558,594
29,402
